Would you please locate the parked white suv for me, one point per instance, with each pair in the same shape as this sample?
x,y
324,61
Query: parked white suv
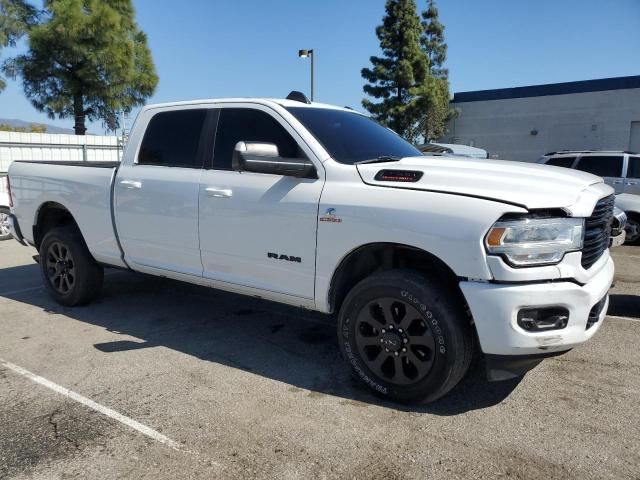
x,y
619,169
422,258
5,232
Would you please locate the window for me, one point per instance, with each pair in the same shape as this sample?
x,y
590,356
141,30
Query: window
x,y
172,139
350,137
608,166
633,170
249,125
561,162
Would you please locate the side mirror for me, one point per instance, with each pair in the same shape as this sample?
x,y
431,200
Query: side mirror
x,y
265,158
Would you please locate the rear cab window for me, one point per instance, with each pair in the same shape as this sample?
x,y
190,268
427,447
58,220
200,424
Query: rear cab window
x,y
172,139
601,165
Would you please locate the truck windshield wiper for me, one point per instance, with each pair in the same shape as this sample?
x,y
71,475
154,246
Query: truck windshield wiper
x,y
380,159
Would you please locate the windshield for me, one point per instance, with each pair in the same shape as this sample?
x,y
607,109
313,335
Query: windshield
x,y
351,137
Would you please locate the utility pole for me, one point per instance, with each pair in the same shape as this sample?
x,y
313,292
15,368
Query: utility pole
x,y
309,54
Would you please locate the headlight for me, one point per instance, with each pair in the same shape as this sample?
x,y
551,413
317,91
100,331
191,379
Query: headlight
x,y
535,241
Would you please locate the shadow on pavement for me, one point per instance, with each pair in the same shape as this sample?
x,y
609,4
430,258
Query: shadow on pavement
x,y
278,342
624,305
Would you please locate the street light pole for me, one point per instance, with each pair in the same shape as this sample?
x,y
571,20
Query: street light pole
x,y
306,54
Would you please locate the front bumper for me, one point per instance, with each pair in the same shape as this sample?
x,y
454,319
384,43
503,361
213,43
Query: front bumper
x,y
495,307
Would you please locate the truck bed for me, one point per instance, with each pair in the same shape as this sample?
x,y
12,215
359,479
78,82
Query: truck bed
x,y
85,189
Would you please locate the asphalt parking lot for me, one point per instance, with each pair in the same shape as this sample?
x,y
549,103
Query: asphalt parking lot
x,y
233,387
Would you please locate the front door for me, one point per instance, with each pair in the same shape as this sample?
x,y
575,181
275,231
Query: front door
x,y
258,230
156,198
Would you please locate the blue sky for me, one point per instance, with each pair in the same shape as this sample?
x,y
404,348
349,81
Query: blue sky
x,y
215,48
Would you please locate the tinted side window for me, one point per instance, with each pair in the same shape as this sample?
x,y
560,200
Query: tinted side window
x,y
634,167
172,139
561,162
245,124
601,166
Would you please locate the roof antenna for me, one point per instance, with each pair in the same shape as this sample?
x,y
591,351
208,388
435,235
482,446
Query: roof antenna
x,y
298,97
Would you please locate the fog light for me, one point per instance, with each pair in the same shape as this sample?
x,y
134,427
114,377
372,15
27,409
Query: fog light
x,y
543,319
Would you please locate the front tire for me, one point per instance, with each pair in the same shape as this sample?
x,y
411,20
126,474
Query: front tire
x,y
405,336
71,275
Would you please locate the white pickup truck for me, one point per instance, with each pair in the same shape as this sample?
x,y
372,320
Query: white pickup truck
x,y
424,259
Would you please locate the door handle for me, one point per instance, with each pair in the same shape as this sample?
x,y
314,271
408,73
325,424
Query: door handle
x,y
632,183
130,184
218,192
618,182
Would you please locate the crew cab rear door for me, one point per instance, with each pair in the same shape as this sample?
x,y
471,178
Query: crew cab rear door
x,y
259,230
156,193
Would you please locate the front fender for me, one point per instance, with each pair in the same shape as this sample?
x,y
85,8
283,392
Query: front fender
x,y
449,227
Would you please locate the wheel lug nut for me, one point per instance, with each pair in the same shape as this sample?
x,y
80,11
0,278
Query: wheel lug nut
x,y
381,340
405,340
390,327
404,349
396,354
384,331
386,350
400,330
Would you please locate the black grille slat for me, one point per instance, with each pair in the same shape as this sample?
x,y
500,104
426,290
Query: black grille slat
x,y
597,231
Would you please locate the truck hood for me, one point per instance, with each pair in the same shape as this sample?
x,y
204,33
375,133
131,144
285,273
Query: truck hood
x,y
532,186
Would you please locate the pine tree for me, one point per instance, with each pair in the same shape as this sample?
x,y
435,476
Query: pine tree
x,y
87,59
15,18
432,41
400,74
435,96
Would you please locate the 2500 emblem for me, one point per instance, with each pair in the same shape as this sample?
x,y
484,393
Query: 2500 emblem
x,y
288,258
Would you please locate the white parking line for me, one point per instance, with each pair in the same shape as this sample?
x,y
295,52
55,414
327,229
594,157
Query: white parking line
x,y
129,422
629,319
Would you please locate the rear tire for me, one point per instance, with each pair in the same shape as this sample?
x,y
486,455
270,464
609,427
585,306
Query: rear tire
x,y
406,336
71,275
5,233
633,229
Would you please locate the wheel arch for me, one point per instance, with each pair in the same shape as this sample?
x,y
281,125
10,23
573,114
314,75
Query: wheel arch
x,y
50,215
380,256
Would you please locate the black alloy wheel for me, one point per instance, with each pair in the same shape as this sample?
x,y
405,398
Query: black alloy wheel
x,y
60,266
395,341
406,335
69,271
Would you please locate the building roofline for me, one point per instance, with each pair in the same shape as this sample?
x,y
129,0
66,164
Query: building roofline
x,y
583,86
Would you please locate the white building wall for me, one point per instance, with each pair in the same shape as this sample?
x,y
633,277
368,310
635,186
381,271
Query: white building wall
x,y
56,147
591,120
